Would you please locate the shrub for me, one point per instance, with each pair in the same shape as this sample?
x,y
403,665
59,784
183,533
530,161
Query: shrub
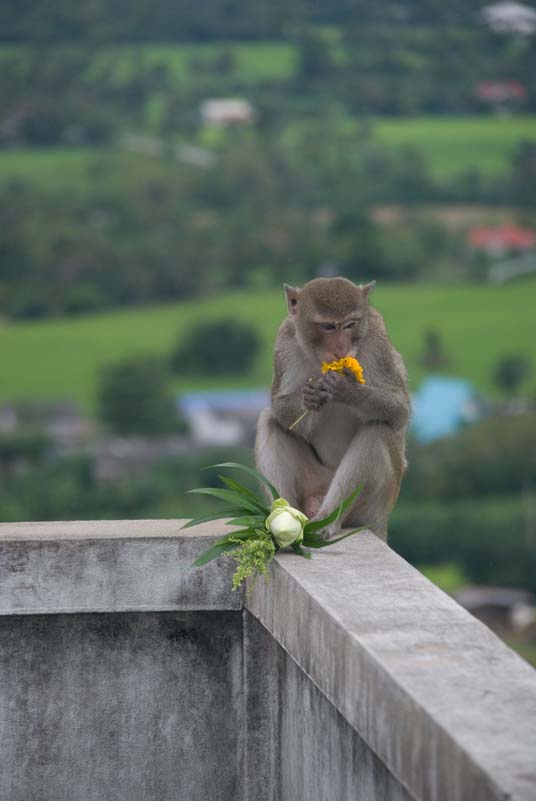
x,y
217,348
487,538
135,397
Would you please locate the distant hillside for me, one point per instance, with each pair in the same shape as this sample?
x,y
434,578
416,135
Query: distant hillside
x,y
478,324
179,20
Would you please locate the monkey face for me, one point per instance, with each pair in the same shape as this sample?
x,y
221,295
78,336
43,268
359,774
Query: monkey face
x,y
331,316
333,339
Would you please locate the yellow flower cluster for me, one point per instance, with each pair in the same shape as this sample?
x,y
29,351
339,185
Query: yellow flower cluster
x,y
349,363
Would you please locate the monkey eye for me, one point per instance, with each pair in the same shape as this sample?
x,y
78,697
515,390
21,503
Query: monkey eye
x,y
350,325
327,326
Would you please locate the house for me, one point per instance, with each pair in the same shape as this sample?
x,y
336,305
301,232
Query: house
x,y
223,417
509,17
227,111
442,406
500,94
499,239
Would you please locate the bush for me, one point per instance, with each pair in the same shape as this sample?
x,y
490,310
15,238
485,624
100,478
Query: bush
x,y
217,348
510,372
486,537
493,458
135,397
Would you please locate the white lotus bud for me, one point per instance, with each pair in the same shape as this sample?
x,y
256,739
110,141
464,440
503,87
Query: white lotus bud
x,y
285,523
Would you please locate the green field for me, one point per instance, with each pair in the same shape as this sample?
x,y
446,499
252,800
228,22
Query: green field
x,y
62,357
250,62
452,145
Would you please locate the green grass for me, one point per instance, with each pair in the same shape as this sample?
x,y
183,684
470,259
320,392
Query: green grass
x,y
62,357
448,576
450,145
252,61
453,145
47,168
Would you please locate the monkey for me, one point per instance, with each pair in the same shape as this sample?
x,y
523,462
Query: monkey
x,y
353,434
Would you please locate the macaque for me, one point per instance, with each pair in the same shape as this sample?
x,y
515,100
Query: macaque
x,y
353,433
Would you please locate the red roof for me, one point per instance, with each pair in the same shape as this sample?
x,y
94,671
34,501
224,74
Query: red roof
x,y
501,237
499,91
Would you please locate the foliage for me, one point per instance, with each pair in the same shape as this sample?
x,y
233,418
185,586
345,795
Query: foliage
x,y
134,396
486,537
255,544
69,488
218,347
497,456
468,499
510,372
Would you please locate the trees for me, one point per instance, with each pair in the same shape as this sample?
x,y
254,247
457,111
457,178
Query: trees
x,y
510,372
135,397
217,348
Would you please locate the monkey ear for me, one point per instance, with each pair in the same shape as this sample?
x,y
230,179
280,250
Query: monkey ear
x,y
367,288
291,293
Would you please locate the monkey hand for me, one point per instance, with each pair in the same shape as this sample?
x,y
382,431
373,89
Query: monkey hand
x,y
341,387
314,395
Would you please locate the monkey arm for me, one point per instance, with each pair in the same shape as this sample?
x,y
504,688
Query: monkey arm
x,y
290,396
384,404
382,398
287,408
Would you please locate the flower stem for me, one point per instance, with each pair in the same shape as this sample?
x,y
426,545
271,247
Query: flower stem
x,y
295,423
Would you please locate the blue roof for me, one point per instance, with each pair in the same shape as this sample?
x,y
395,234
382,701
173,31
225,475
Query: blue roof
x,y
441,406
224,400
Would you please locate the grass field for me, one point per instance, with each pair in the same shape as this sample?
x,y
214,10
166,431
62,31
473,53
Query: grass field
x,y
62,357
450,145
251,62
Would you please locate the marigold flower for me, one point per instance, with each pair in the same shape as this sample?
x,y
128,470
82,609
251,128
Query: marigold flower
x,y
348,363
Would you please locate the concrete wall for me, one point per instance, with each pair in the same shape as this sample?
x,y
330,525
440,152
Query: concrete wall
x,y
125,674
126,706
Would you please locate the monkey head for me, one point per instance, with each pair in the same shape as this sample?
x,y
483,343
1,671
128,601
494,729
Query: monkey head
x,y
330,315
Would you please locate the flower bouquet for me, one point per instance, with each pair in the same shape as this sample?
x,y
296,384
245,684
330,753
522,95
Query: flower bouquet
x,y
265,529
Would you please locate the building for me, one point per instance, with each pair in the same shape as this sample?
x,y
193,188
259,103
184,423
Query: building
x,y
510,17
500,94
497,240
227,111
442,406
225,417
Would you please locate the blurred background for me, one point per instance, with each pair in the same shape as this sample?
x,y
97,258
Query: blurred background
x,y
166,166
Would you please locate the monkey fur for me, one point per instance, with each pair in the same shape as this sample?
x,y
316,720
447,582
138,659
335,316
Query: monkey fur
x,y
353,433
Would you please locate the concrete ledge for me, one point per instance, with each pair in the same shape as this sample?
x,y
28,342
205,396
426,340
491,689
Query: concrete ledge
x,y
111,566
447,707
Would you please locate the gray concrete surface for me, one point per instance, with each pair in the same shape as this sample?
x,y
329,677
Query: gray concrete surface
x,y
111,566
123,707
445,705
349,676
322,757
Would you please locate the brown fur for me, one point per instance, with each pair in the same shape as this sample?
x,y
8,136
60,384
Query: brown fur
x,y
352,433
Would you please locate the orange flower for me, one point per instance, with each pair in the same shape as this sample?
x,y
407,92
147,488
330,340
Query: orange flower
x,y
349,363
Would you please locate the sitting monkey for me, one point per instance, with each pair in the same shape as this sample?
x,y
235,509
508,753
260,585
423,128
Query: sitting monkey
x,y
353,433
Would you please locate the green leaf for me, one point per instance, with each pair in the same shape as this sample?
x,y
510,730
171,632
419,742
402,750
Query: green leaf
x,y
252,472
315,541
299,550
231,496
213,553
247,493
223,545
253,521
223,513
317,525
